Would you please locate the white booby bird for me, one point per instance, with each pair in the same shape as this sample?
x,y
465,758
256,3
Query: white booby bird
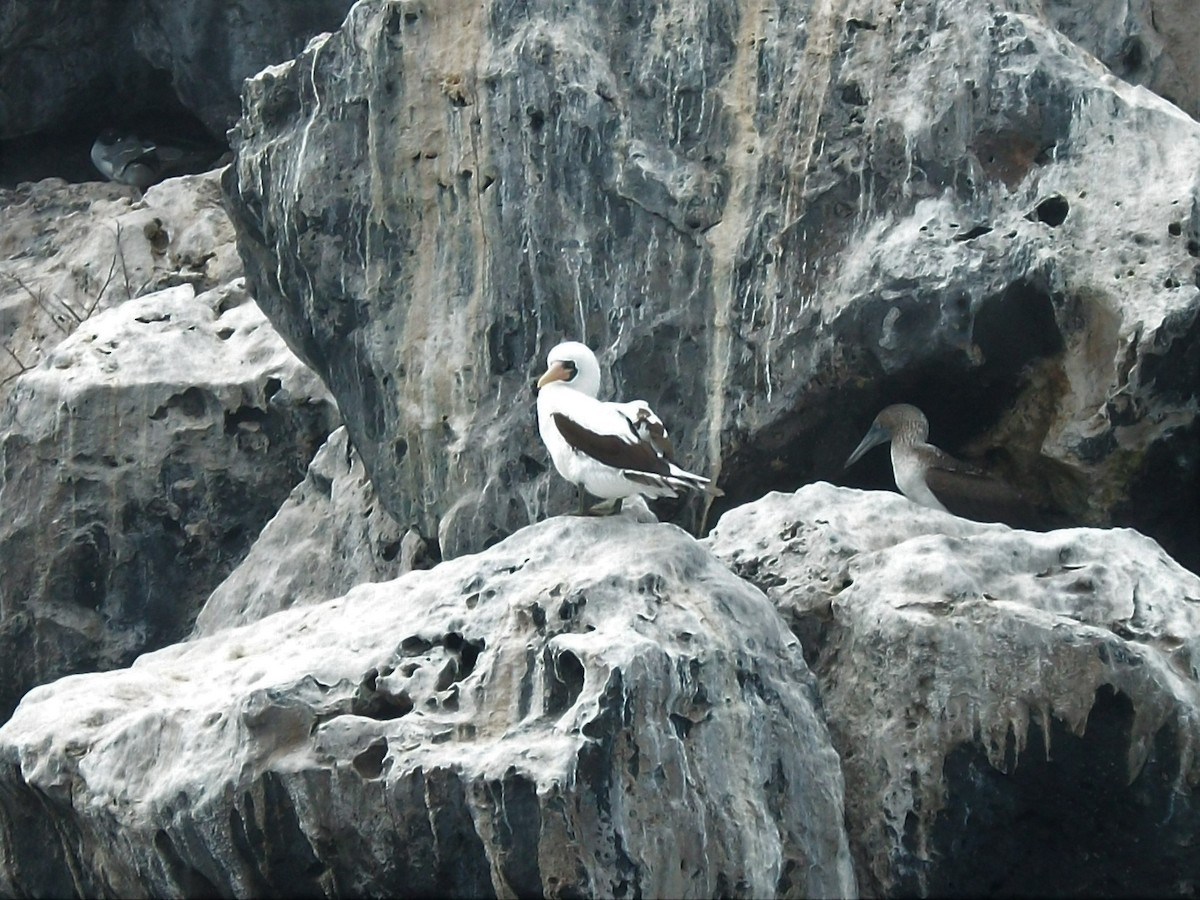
x,y
611,450
933,478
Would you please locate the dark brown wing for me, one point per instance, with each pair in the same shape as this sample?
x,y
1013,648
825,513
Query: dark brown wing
x,y
611,449
968,492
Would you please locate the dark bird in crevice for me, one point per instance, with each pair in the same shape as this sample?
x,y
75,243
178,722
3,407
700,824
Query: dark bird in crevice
x,y
128,159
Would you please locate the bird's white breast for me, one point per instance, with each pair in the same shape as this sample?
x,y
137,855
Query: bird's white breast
x,y
910,479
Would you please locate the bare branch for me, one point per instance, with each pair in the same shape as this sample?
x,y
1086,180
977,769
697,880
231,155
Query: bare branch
x,y
40,300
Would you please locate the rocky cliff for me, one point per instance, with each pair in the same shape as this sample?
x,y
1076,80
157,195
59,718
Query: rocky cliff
x,y
771,220
395,667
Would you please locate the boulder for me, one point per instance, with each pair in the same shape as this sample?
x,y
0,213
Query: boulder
x,y
769,220
589,708
139,462
1015,712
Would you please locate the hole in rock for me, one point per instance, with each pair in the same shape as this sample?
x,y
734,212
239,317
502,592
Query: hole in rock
x,y
963,363
977,231
241,416
852,95
369,763
1133,55
374,704
415,646
82,572
571,606
1052,211
567,683
1069,825
682,725
138,101
1175,229
467,652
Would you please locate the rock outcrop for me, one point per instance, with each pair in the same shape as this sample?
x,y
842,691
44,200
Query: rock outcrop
x,y
1016,713
537,719
770,220
601,707
330,535
69,251
158,431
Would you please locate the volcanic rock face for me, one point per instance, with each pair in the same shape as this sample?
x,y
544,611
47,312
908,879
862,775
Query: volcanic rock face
x,y
69,251
1014,711
329,535
140,457
770,220
590,708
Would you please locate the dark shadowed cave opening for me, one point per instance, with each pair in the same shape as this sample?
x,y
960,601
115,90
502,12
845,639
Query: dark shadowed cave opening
x,y
152,112
1064,823
962,395
964,398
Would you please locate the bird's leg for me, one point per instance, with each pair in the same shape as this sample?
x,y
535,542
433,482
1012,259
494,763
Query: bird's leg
x,y
606,508
582,495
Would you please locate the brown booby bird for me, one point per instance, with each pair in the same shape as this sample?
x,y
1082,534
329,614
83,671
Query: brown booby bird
x,y
933,478
610,450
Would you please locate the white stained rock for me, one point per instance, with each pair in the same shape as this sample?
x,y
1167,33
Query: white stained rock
x,y
590,707
139,460
930,633
70,251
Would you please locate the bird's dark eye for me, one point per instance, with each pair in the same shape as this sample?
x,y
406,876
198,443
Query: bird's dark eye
x,y
570,367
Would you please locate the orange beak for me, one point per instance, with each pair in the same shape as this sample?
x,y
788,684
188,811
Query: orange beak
x,y
556,372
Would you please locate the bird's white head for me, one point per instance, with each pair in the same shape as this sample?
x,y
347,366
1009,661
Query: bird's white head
x,y
575,366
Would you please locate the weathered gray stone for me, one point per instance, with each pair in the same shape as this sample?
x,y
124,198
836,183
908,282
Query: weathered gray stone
x,y
210,49
69,251
100,62
769,219
1016,713
137,464
1145,42
330,535
590,708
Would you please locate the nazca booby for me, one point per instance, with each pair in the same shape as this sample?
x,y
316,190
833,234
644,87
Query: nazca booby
x,y
608,449
933,478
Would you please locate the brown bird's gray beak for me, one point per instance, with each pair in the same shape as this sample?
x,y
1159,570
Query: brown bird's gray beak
x,y
876,435
556,372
